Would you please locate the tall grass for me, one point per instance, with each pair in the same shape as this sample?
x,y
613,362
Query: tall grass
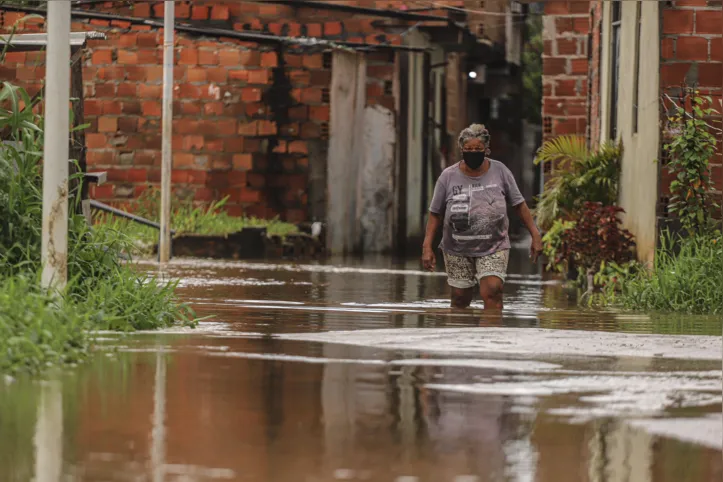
x,y
687,277
39,328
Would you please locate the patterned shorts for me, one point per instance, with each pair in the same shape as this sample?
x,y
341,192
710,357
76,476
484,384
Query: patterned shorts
x,y
464,272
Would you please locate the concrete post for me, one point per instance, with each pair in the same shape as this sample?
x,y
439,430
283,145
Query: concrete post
x,y
54,251
164,248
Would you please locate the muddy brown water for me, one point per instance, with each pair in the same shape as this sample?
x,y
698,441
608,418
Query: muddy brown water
x,y
357,370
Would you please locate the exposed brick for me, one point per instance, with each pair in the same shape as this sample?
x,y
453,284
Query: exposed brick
x,y
183,159
239,75
250,58
298,147
554,66
101,57
213,108
217,74
112,107
251,94
579,66
243,162
692,48
248,128
96,141
557,7
127,58
258,76
332,29
151,108
269,59
314,30
674,73
149,91
678,21
668,48
716,50
220,12
127,40
709,22
182,10
188,57
566,46
196,74
207,57
199,12
710,75
229,57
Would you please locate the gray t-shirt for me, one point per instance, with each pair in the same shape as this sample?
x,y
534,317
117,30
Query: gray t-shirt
x,y
475,209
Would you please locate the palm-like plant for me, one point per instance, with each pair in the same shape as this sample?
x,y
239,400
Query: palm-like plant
x,y
579,176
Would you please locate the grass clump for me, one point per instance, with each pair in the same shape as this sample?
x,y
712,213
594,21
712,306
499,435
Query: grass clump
x,y
40,328
187,218
687,277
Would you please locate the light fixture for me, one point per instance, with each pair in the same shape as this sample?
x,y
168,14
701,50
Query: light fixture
x,y
472,74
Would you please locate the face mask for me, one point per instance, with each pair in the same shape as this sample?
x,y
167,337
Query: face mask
x,y
473,159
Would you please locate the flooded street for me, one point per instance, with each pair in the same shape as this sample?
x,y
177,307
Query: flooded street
x,y
358,370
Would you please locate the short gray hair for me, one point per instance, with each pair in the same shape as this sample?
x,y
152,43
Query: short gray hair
x,y
475,131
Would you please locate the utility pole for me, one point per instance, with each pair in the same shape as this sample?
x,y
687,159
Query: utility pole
x,y
54,251
164,247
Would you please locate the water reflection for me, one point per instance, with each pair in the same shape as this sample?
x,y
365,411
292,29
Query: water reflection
x,y
236,402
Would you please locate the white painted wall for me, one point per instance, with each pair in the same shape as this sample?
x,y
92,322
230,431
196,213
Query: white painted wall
x,y
639,179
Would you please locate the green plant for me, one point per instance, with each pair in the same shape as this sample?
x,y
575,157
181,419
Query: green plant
x,y
39,328
689,155
596,239
552,243
688,281
579,176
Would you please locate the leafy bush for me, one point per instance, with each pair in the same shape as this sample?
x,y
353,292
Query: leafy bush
x,y
552,244
690,152
38,328
579,176
597,237
687,281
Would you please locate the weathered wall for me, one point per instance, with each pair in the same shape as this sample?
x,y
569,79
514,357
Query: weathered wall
x,y
638,129
245,114
565,67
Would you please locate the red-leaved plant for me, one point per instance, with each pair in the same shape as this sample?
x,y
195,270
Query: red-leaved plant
x,y
597,237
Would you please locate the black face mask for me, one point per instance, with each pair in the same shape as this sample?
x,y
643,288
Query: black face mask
x,y
473,159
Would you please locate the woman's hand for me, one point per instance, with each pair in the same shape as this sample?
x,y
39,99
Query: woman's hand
x,y
429,261
535,247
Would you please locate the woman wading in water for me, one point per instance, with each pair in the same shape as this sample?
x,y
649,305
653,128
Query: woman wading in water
x,y
472,197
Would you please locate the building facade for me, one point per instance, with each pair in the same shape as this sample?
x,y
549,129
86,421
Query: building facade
x,y
254,118
615,71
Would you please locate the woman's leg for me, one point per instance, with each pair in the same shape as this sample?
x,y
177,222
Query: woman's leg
x,y
490,289
461,279
491,272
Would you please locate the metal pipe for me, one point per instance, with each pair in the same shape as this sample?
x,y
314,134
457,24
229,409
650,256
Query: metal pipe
x,y
117,212
219,33
164,246
54,251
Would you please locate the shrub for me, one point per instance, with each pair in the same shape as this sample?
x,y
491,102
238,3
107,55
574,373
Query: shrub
x,y
597,237
687,281
580,176
690,152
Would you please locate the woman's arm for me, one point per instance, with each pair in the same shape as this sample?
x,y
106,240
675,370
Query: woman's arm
x,y
524,212
428,259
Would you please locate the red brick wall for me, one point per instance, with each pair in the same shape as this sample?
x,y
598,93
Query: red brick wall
x,y
243,113
565,67
692,56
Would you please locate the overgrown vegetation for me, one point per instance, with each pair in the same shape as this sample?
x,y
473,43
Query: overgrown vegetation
x,y
187,218
583,231
690,152
686,277
39,328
